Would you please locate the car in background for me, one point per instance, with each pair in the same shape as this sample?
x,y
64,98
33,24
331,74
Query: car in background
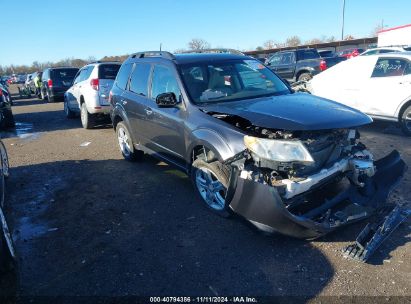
x,y
6,114
350,53
90,92
386,49
5,92
331,58
7,251
296,65
250,145
379,85
56,81
21,79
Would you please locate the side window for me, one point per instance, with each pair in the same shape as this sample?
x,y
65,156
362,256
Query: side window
x,y
407,70
139,79
389,67
77,77
275,59
122,76
45,75
372,52
81,76
309,55
87,72
287,58
164,81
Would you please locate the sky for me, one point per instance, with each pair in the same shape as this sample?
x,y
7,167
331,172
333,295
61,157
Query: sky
x,y
51,30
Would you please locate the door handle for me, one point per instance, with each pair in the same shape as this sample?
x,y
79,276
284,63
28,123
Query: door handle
x,y
123,101
149,111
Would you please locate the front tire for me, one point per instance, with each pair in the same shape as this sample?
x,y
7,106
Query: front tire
x,y
86,117
211,181
405,121
126,144
305,77
69,113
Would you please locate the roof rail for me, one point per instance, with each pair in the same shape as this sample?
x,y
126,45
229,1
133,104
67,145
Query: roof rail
x,y
163,54
216,51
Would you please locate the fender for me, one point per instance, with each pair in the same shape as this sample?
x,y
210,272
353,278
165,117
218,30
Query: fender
x,y
398,110
212,140
118,110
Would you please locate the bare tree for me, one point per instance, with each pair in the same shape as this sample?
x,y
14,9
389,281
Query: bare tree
x,y
377,28
269,44
330,39
180,51
259,48
198,44
314,41
293,41
349,37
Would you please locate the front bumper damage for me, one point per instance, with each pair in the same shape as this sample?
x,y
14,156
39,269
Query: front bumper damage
x,y
332,205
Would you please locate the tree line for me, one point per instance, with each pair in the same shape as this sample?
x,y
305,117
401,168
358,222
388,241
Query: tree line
x,y
192,45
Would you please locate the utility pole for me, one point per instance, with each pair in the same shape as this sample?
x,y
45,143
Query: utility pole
x,y
343,16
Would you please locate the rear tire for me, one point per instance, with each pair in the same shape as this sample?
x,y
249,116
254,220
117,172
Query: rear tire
x,y
405,121
305,77
211,183
50,99
86,117
126,144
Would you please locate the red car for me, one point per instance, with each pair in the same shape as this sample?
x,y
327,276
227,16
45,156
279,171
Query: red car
x,y
349,53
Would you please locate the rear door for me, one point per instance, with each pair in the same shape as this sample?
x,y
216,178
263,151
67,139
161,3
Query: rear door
x,y
388,85
286,66
135,101
72,92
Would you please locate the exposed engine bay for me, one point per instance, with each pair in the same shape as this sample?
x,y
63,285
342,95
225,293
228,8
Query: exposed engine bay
x,y
333,180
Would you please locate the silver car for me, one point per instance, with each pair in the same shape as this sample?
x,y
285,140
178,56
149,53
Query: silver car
x,y
89,93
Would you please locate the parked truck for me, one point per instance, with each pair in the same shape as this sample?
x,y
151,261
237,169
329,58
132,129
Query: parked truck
x,y
297,65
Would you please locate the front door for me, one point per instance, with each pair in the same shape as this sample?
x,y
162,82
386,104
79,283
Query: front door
x,y
165,126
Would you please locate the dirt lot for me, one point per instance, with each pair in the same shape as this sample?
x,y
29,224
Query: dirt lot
x,y
86,222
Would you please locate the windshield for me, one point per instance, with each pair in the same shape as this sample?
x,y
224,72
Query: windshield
x,y
228,81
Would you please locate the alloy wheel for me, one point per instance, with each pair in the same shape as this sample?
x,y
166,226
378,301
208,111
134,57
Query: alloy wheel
x,y
124,141
211,189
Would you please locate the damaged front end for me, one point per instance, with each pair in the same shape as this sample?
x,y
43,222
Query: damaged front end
x,y
328,179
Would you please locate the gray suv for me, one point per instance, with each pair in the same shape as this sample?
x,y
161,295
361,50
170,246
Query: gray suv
x,y
286,162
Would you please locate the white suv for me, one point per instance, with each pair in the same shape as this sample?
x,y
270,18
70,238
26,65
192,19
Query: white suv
x,y
90,91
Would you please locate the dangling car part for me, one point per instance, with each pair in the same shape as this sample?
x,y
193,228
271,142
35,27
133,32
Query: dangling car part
x,y
374,234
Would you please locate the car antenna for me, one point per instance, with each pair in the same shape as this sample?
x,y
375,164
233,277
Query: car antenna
x,y
160,46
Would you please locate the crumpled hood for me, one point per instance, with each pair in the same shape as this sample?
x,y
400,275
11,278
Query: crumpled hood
x,y
298,111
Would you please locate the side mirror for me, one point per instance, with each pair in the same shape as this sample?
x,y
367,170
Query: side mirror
x,y
166,100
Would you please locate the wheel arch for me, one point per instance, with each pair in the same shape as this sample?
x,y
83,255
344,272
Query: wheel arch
x,y
302,71
211,144
402,108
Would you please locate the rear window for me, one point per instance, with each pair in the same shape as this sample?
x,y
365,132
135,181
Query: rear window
x,y
63,74
108,71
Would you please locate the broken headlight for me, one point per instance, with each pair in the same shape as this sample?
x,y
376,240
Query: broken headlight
x,y
278,150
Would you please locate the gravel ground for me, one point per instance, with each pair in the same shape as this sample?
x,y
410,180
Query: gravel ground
x,y
88,223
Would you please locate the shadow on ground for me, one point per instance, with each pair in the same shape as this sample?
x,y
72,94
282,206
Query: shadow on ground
x,y
117,228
